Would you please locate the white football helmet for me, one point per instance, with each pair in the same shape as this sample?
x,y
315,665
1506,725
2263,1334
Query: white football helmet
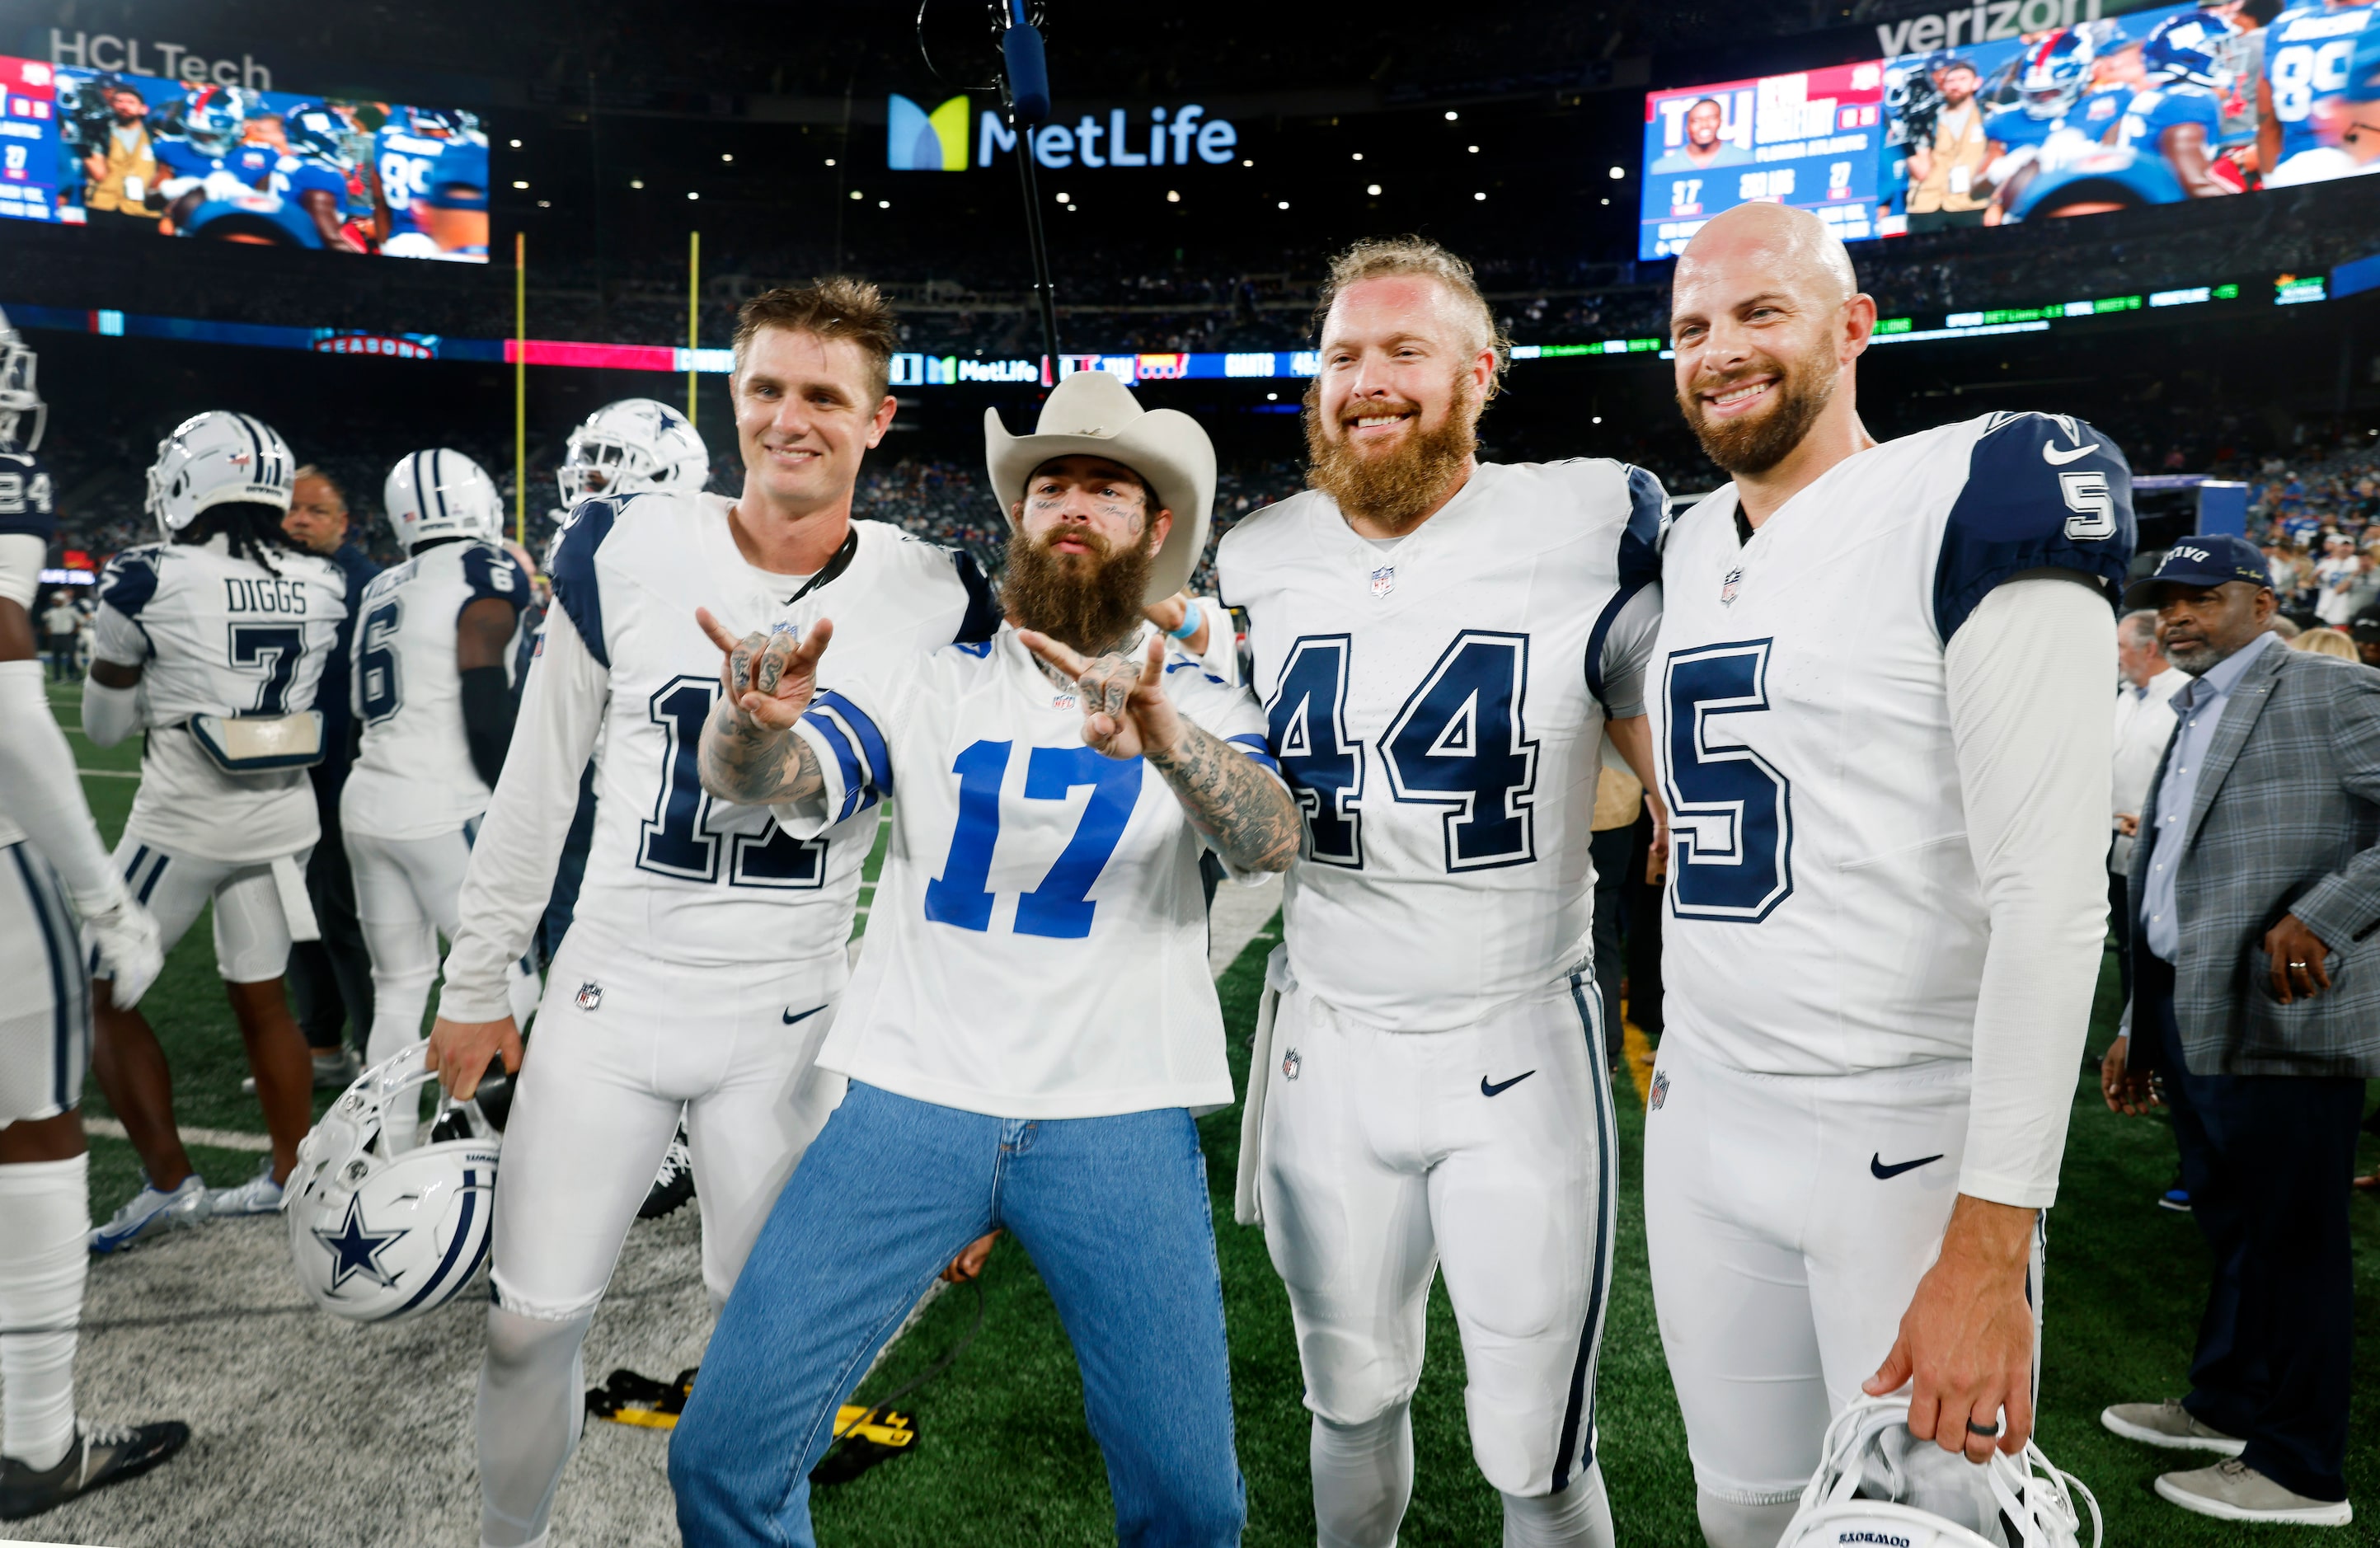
x,y
19,397
382,1228
214,459
441,494
1865,1447
632,445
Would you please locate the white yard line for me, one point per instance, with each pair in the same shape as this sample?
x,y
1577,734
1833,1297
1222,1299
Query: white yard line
x,y
109,773
220,1139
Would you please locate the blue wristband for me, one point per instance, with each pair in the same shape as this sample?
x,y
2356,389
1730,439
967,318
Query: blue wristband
x,y
1190,621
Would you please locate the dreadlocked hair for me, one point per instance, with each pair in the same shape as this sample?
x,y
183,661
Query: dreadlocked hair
x,y
250,528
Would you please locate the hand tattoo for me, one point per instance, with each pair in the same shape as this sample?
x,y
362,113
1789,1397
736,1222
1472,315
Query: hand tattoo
x,y
745,762
1248,814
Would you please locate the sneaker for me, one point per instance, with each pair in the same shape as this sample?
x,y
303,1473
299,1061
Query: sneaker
x,y
2235,1492
2176,1200
101,1454
673,1185
2170,1425
259,1196
152,1212
331,1073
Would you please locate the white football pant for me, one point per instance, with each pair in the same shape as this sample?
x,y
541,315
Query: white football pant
x,y
1789,1218
45,1023
1486,1151
406,891
251,924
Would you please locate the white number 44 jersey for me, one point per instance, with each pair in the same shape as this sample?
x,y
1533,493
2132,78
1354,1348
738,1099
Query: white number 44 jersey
x,y
414,778
1438,704
1826,911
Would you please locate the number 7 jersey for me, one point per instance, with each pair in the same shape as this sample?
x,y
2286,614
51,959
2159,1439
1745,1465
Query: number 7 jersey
x,y
1437,706
1826,913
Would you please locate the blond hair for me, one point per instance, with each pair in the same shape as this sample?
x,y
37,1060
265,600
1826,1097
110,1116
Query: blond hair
x,y
837,307
2326,642
1387,257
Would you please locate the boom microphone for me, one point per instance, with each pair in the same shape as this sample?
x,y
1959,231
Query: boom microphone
x,y
1028,71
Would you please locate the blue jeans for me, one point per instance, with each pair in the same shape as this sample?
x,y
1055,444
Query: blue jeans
x,y
1115,1214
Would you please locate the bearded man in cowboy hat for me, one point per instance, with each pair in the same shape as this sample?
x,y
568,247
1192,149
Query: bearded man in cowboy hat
x,y
1032,1024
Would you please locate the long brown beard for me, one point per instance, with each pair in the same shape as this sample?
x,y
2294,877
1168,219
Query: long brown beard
x,y
1394,488
1754,446
1089,601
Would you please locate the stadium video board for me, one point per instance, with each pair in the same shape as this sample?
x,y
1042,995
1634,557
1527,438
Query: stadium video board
x,y
140,156
2159,106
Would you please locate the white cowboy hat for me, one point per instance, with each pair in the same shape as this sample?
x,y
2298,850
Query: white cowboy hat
x,y
1092,413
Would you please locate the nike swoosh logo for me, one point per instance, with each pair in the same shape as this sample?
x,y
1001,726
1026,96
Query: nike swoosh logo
x,y
2057,458
791,1018
1502,1086
1876,1165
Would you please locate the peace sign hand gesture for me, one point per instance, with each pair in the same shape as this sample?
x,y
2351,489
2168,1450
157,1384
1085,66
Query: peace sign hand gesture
x,y
1125,711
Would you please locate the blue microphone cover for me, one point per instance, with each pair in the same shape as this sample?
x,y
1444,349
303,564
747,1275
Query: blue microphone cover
x,y
1028,73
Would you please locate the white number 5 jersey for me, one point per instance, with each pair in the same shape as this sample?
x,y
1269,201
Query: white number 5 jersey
x,y
1437,706
1826,914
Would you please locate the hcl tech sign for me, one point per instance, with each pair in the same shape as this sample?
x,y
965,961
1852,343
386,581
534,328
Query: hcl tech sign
x,y
916,141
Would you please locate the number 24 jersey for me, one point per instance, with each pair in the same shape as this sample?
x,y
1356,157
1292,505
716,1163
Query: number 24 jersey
x,y
1826,915
1437,706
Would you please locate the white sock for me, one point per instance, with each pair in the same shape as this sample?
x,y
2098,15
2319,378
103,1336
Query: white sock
x,y
45,1220
1363,1478
532,1405
1580,1516
1732,1524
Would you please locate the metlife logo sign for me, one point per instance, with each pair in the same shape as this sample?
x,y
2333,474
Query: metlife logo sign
x,y
917,140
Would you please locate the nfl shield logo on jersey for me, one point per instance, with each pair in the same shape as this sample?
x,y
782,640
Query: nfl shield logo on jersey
x,y
1660,1090
1384,580
590,996
1290,1065
1727,582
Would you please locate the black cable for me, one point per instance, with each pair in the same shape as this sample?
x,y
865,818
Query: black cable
x,y
931,1372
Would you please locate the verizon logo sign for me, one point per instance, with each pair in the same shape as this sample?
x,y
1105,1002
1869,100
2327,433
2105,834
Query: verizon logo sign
x,y
1986,22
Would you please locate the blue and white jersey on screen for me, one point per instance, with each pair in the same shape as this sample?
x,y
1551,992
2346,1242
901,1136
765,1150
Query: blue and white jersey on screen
x,y
1823,900
218,635
1437,706
2307,51
674,876
412,165
2160,108
413,778
1038,943
2053,140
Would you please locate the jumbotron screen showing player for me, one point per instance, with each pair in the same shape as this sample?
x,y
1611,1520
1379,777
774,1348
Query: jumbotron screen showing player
x,y
2158,106
140,156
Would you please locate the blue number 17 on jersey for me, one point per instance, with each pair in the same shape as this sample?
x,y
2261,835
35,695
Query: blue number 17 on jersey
x,y
1731,811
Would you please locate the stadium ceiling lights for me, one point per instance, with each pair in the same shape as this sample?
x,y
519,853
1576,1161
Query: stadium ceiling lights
x,y
1618,173
636,182
1372,188
1172,196
727,155
1451,115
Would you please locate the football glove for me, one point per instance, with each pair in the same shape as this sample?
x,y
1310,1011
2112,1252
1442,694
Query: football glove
x,y
126,940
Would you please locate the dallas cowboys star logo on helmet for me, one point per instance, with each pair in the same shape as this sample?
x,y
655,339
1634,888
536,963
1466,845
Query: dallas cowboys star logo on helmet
x,y
357,1249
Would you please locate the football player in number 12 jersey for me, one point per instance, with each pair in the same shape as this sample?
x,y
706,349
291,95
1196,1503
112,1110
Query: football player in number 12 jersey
x,y
1879,705
655,1005
1440,645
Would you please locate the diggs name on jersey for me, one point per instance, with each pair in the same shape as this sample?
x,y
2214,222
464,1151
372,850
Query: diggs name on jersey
x,y
273,595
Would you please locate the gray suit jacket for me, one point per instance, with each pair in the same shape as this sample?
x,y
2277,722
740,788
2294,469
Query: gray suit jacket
x,y
2285,820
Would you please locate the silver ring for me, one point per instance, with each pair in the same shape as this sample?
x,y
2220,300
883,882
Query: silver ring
x,y
2297,964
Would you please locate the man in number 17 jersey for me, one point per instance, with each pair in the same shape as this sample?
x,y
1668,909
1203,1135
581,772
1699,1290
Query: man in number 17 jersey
x,y
1879,704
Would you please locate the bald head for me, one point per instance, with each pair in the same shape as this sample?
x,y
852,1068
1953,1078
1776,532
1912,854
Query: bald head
x,y
1777,240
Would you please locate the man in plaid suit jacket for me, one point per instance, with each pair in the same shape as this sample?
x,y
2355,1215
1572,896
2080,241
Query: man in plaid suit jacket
x,y
2255,893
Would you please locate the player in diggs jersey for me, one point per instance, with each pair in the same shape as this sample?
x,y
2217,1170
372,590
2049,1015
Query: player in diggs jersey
x,y
55,882
2307,52
434,692
1879,711
1032,1020
1440,646
658,1003
213,641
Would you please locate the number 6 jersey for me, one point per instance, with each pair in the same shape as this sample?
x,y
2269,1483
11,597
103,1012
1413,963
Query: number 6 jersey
x,y
1827,912
1437,704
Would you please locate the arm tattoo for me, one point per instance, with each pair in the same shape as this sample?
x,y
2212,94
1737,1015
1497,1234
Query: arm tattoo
x,y
749,764
1250,815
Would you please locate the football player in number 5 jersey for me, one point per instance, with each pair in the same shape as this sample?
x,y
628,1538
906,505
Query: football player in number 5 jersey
x,y
1879,707
432,691
1440,645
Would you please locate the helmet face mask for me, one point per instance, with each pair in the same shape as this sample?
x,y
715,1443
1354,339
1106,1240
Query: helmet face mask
x,y
18,395
1871,1467
2055,75
631,447
213,459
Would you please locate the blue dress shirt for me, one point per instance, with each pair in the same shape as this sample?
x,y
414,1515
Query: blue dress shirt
x,y
2200,708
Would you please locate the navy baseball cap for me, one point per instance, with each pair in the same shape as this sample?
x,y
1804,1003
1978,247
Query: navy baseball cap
x,y
2207,559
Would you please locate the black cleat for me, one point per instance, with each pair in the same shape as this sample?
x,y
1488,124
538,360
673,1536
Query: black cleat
x,y
101,1454
675,1184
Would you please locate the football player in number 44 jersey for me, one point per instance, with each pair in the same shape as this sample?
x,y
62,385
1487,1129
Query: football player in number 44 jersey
x,y
1880,708
1440,645
656,1005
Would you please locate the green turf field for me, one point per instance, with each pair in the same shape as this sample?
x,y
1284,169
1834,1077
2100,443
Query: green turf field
x,y
1005,1456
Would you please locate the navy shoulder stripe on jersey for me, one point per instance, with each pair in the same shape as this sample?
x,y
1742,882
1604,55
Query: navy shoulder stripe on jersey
x,y
574,588
1639,565
2044,492
489,572
130,581
982,619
